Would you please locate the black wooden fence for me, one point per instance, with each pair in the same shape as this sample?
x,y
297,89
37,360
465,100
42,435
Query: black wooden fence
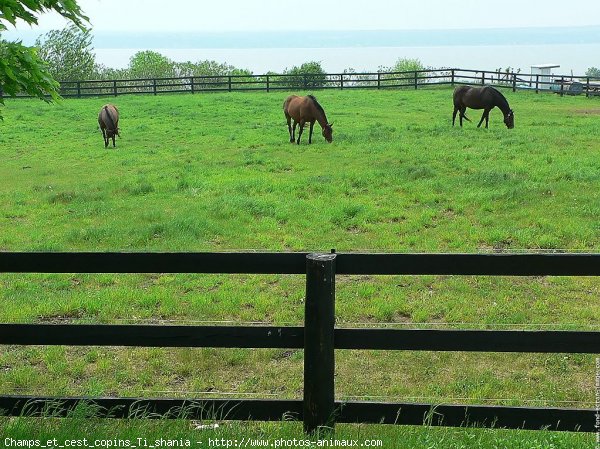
x,y
562,84
319,336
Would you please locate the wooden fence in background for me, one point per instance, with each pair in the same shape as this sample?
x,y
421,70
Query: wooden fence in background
x,y
319,337
561,84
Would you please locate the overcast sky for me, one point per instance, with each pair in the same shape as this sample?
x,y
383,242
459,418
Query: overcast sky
x,y
267,15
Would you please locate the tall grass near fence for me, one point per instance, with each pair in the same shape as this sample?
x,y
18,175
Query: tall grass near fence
x,y
151,432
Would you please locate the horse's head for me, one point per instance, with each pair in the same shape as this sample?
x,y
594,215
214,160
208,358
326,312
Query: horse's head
x,y
328,132
509,119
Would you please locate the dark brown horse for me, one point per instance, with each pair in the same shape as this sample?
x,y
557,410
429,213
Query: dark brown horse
x,y
108,119
486,98
302,110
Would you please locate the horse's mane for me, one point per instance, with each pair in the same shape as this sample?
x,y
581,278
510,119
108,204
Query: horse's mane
x,y
501,96
495,90
319,107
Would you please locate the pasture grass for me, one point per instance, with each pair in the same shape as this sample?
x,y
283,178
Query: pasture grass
x,y
216,172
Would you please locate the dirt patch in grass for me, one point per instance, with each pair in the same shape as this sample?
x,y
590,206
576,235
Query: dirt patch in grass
x,y
590,111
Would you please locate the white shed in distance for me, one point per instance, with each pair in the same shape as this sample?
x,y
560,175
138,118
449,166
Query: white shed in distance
x,y
544,71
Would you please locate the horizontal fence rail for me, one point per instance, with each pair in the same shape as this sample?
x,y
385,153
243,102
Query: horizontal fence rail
x,y
152,336
469,340
561,84
319,337
568,342
226,263
555,264
370,412
528,418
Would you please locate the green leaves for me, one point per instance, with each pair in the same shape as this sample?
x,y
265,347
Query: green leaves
x,y
309,75
68,52
26,10
21,69
405,65
593,72
150,64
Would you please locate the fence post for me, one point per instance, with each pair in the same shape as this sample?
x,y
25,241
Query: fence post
x,y
192,84
341,81
378,80
154,86
416,82
78,89
514,82
482,78
587,88
319,322
452,81
304,81
537,84
115,88
562,86
268,86
229,83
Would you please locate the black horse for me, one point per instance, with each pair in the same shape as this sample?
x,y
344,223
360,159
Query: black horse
x,y
486,98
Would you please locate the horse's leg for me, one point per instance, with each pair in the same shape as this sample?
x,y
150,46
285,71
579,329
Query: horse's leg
x,y
104,137
113,138
289,122
482,117
302,122
454,115
311,131
463,112
487,119
293,139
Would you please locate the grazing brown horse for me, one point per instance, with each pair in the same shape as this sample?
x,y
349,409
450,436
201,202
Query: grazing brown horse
x,y
108,119
486,98
302,110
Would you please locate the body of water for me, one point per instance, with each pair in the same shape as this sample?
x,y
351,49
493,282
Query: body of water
x,y
576,58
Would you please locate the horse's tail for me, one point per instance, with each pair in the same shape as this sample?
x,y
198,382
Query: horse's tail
x,y
111,122
286,102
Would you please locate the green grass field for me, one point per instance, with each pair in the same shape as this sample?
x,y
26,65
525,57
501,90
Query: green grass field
x,y
216,172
